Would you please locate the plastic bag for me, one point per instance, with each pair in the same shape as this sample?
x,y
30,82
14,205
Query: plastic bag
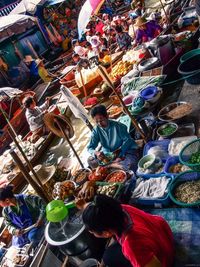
x,y
158,152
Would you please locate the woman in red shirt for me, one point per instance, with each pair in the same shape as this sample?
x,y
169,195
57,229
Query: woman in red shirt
x,y
146,239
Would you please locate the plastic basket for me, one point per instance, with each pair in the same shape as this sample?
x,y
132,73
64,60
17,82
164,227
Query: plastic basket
x,y
171,161
183,177
156,202
187,152
149,175
161,143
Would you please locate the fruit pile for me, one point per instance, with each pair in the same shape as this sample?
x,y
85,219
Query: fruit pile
x,y
99,174
121,69
90,101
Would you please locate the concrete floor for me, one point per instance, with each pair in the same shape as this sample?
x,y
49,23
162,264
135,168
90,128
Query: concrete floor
x,y
191,94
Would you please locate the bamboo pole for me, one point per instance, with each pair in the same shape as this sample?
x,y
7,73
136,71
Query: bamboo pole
x,y
105,75
84,88
164,11
7,120
27,176
69,142
32,49
25,158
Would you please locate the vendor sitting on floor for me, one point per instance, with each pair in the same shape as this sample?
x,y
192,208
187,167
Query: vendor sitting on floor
x,y
113,137
21,212
146,31
143,240
34,116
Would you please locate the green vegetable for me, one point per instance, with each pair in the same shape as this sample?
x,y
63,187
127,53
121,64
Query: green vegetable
x,y
195,158
168,130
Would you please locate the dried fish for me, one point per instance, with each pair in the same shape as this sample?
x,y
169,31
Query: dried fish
x,y
188,192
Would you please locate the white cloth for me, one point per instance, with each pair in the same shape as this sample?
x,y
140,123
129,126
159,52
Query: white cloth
x,y
75,105
151,188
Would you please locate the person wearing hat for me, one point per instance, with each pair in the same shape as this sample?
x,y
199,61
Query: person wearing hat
x,y
21,212
43,73
113,137
146,31
33,68
123,39
90,52
34,116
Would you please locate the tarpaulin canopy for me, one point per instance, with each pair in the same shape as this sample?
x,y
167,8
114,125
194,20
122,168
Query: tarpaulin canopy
x,y
29,6
15,24
10,92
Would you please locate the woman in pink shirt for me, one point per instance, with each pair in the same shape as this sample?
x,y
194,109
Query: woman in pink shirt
x,y
146,239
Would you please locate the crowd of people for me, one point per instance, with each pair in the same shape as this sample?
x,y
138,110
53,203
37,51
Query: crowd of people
x,y
107,34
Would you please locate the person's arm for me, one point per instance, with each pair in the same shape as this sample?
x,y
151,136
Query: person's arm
x,y
36,204
127,140
94,141
9,225
154,262
45,106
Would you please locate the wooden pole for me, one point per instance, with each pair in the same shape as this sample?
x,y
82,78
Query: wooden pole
x,y
9,124
32,49
133,120
168,21
27,176
69,142
25,158
84,89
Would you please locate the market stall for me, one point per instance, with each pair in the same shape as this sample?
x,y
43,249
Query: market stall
x,y
133,90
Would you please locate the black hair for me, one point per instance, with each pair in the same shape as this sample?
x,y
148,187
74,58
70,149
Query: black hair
x,y
99,110
104,214
88,44
75,55
6,192
28,101
118,29
74,41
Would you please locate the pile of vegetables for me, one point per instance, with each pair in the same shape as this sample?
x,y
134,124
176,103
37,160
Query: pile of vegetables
x,y
99,174
168,130
195,158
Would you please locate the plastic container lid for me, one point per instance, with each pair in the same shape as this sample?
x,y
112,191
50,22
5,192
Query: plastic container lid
x,y
56,211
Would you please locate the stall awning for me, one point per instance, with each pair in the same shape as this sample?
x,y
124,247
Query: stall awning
x,y
29,6
15,24
19,9
10,92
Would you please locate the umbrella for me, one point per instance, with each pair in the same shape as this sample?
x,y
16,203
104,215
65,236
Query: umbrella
x,y
91,7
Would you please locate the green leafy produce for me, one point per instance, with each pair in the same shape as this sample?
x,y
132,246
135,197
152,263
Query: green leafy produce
x,y
195,158
168,130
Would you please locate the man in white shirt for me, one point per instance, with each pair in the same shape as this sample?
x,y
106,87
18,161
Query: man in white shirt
x,y
34,116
